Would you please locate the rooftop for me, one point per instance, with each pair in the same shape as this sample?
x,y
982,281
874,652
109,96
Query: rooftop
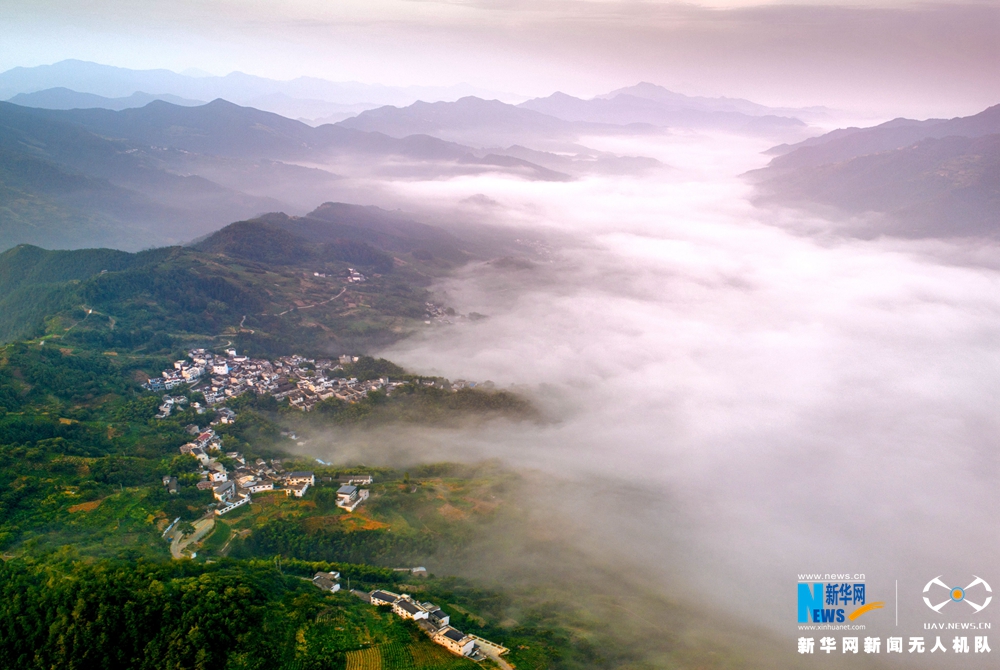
x,y
408,606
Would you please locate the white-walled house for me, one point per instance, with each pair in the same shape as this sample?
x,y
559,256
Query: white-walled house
x,y
455,641
379,597
224,491
237,502
301,478
349,497
408,609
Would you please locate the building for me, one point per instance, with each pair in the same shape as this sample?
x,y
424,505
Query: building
x,y
191,374
239,501
170,483
349,497
261,485
455,641
301,478
328,581
297,490
408,609
224,492
380,597
436,615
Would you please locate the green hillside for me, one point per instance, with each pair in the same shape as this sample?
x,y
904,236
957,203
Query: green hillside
x,y
266,294
83,513
95,551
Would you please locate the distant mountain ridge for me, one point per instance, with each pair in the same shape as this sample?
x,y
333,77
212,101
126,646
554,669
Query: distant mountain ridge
x,y
563,118
848,143
676,100
647,103
934,178
64,98
165,174
116,82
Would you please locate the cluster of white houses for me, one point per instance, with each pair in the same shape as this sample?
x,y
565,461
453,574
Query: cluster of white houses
x,y
232,488
302,381
431,618
434,621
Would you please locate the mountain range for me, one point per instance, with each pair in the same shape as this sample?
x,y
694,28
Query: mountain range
x,y
92,168
64,98
164,173
654,105
303,97
933,178
561,118
79,84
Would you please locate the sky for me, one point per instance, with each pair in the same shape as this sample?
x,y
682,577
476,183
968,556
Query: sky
x,y
915,57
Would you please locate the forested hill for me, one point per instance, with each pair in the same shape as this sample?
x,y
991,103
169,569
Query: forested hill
x,y
275,285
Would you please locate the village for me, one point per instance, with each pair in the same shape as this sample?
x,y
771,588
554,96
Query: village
x,y
429,617
233,488
303,382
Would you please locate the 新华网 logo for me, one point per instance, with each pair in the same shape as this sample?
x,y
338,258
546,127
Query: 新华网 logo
x,y
958,594
833,602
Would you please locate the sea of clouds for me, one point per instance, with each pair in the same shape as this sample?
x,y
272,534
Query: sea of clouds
x,y
739,395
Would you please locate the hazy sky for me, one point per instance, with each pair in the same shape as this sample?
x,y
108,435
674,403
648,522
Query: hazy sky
x,y
932,57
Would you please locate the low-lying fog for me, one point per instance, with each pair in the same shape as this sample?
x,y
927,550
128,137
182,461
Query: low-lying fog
x,y
737,399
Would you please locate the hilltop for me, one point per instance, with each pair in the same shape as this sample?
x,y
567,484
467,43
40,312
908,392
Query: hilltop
x,y
340,278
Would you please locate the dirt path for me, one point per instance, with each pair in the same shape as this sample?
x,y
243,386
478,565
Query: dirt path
x,y
201,528
342,292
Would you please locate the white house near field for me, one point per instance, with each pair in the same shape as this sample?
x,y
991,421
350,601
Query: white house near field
x,y
454,641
